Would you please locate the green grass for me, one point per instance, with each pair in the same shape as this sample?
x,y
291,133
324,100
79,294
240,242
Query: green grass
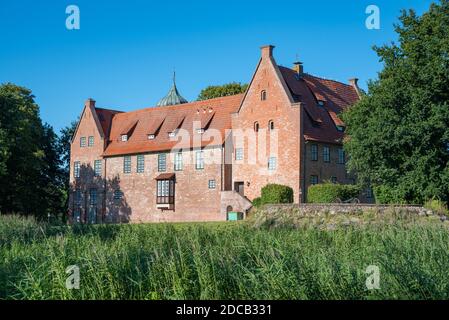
x,y
224,261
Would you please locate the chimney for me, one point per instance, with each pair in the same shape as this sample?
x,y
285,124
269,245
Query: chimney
x,y
354,83
298,68
90,103
267,51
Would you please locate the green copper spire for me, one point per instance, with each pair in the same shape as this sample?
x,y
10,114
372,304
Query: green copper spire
x,y
173,97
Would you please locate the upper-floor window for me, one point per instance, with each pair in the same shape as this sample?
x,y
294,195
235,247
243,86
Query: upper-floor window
x,y
341,156
161,162
313,179
127,164
271,125
199,160
124,137
97,167
178,161
93,196
263,95
76,169
239,154
82,142
314,152
212,184
326,154
90,141
140,163
118,194
256,126
272,163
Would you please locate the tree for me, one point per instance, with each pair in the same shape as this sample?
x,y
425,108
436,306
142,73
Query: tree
x,y
30,177
398,134
221,91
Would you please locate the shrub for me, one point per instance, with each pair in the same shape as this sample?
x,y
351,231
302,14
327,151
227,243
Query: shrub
x,y
437,206
276,193
388,195
257,202
331,192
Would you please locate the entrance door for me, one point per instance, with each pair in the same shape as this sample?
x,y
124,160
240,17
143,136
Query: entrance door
x,y
238,187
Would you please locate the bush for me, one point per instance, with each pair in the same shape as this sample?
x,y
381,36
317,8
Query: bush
x,y
276,193
388,195
257,202
437,206
331,192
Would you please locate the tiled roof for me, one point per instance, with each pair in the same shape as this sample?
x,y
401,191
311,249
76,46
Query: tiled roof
x,y
320,123
105,117
174,117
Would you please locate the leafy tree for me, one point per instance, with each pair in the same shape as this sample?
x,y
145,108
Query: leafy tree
x,y
399,132
221,91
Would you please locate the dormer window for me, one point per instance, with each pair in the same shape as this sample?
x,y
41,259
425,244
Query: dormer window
x,y
341,128
151,137
200,131
320,103
263,95
124,137
173,133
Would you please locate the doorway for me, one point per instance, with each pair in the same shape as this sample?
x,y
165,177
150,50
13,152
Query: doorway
x,y
239,187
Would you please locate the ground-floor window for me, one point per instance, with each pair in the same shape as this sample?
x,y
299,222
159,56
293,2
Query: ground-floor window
x,y
165,192
313,179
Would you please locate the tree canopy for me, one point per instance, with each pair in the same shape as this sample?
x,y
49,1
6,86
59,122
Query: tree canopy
x,y
229,89
399,132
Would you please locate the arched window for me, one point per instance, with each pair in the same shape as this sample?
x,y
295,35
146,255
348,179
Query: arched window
x,y
271,125
256,126
263,95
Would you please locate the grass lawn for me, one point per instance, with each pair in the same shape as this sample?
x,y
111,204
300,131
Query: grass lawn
x,y
224,261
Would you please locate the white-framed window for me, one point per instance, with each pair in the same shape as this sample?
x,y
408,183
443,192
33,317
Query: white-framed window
x,y
239,154
127,164
140,163
76,169
314,152
326,154
341,156
199,160
165,192
162,162
178,161
151,137
83,142
272,163
313,179
97,168
124,137
212,184
90,141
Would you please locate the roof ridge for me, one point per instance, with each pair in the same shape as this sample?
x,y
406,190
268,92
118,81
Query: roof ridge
x,y
317,77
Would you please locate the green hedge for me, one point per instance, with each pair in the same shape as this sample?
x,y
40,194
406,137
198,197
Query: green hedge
x,y
331,192
388,195
276,193
257,202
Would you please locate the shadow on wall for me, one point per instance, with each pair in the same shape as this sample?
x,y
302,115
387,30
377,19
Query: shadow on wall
x,y
94,199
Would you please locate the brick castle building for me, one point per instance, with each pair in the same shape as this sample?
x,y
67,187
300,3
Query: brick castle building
x,y
182,161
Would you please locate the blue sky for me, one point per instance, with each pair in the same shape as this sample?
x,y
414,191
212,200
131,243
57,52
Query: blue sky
x,y
124,54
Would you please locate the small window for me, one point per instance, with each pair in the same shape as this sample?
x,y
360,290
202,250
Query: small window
x,y
97,168
124,137
263,95
200,131
334,180
199,160
256,126
140,163
326,154
77,196
93,197
83,142
151,137
127,164
118,194
178,161
161,162
76,169
341,156
90,142
341,128
272,163
271,125
173,133
239,154
320,103
212,184
313,179
314,152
